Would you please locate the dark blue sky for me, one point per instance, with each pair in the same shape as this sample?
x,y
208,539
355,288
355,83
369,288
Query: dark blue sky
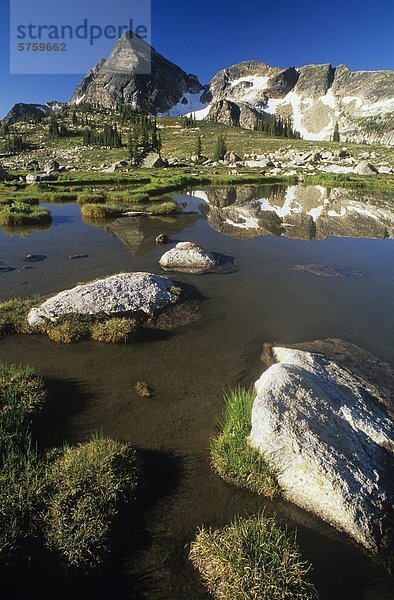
x,y
203,37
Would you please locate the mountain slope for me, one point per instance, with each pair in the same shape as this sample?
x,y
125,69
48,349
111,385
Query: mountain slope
x,y
315,97
22,111
124,78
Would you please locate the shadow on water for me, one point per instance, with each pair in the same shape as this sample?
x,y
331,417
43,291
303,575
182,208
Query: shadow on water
x,y
66,398
43,579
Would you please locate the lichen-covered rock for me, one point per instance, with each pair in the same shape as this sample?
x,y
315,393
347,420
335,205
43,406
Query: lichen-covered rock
x,y
126,293
327,433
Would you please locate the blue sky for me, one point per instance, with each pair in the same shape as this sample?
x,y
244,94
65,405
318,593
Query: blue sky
x,y
203,37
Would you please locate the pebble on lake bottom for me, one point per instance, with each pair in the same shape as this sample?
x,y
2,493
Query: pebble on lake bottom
x,y
144,390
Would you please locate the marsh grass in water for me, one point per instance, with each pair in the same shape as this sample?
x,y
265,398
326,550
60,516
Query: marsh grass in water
x,y
22,392
77,328
13,315
23,490
232,457
252,559
113,331
22,482
100,211
88,484
351,181
107,211
68,329
91,198
65,500
19,213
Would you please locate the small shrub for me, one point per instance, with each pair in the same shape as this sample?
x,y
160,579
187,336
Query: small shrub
x,y
89,484
252,559
232,457
113,331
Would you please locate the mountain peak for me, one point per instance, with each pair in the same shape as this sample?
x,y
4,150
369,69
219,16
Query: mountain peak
x,y
134,73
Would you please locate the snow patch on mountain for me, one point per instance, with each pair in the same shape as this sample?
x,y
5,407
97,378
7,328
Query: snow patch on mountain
x,y
187,105
201,114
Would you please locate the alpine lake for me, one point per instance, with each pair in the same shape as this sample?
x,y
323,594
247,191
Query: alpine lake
x,y
310,264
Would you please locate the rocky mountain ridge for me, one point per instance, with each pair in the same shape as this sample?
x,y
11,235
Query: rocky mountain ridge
x,y
315,97
22,111
136,74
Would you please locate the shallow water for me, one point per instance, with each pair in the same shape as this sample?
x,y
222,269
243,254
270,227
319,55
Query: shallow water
x,y
265,300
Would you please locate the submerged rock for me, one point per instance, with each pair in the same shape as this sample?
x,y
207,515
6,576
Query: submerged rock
x,y
328,270
130,294
162,239
144,390
187,257
328,434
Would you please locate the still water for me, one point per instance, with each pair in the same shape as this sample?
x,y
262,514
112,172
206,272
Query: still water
x,y
268,232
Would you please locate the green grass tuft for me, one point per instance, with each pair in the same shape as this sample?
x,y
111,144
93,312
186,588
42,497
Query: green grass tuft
x,y
113,331
22,394
21,213
91,199
232,457
89,483
252,559
163,208
69,329
66,500
13,316
100,211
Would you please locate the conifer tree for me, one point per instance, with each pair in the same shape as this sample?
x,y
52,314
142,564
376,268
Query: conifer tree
x,y
199,147
53,127
221,148
336,137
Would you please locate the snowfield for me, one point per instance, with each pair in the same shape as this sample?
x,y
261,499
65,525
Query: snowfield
x,y
193,105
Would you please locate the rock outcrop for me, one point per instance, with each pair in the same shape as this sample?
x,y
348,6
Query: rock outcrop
x,y
153,161
328,434
187,257
136,74
129,294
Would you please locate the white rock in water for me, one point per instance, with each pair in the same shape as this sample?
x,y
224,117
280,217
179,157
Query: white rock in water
x,y
189,258
330,441
124,293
